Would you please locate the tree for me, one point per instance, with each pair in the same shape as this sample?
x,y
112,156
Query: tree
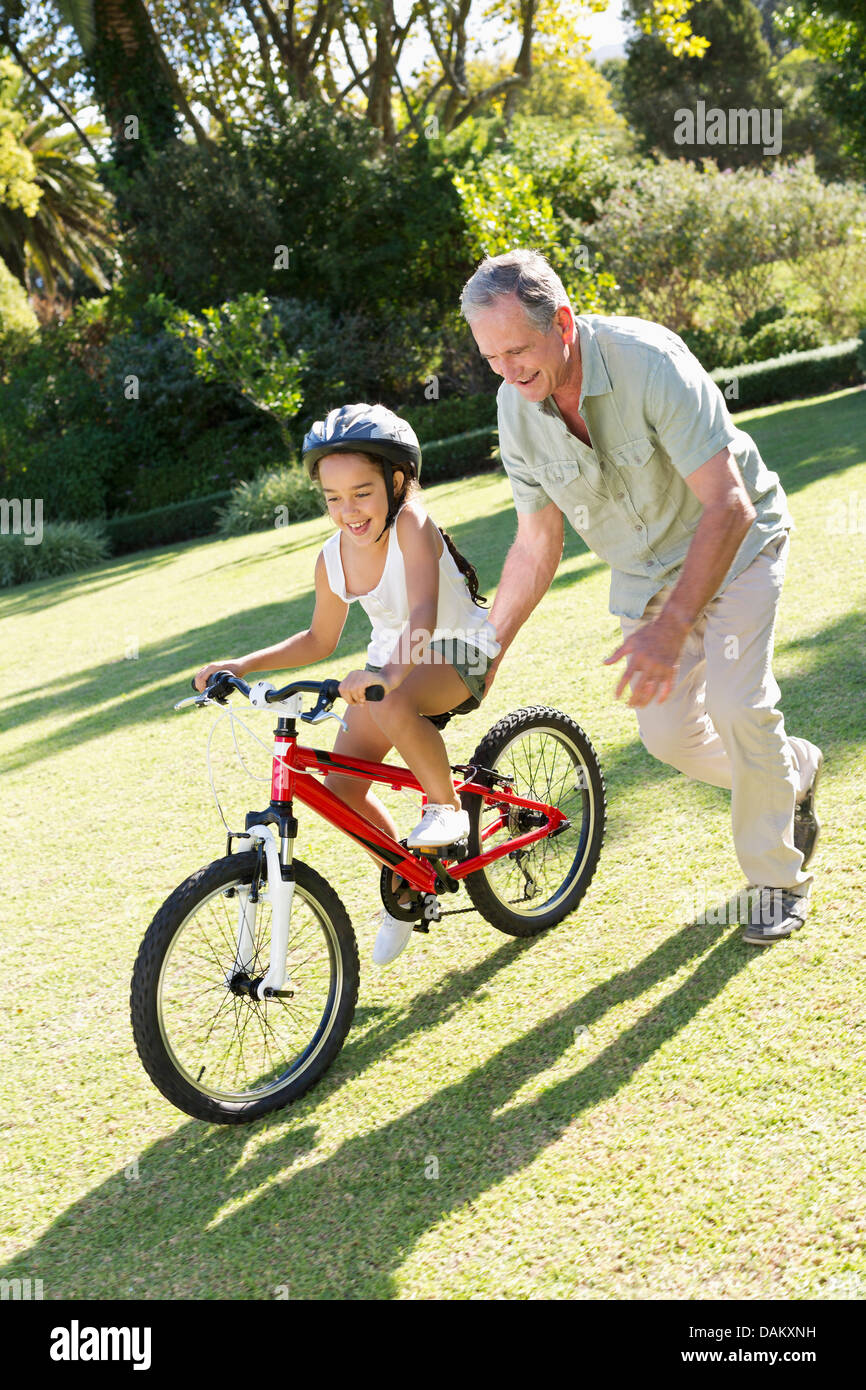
x,y
164,60
733,73
18,188
836,34
68,231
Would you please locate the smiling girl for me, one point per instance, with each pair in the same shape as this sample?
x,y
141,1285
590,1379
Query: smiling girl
x,y
431,641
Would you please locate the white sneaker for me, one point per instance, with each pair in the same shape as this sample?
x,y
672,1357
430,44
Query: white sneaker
x,y
439,825
392,938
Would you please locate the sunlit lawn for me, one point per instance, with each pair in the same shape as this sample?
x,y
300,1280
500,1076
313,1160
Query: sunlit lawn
x,y
634,1105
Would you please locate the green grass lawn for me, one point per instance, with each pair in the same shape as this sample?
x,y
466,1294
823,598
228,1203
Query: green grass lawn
x,y
634,1105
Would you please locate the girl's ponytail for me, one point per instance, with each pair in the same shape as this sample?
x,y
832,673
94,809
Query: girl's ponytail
x,y
465,568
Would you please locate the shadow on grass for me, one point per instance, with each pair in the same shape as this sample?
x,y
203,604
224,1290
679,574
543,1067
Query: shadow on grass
x,y
344,1224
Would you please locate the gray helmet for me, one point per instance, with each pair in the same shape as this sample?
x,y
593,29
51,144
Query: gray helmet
x,y
364,429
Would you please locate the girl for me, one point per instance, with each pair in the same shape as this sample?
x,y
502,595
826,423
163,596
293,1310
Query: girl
x,y
431,642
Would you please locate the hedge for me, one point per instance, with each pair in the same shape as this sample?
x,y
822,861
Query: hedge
x,y
758,383
449,458
791,375
179,521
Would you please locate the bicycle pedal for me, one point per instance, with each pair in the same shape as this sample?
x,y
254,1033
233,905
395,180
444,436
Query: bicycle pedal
x,y
459,849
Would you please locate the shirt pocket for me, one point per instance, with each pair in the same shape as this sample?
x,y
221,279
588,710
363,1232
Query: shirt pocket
x,y
636,453
570,482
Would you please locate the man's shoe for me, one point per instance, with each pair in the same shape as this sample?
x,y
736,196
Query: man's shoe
x,y
439,825
775,914
807,826
392,938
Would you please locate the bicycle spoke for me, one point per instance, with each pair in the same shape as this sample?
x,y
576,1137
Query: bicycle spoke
x,y
229,1044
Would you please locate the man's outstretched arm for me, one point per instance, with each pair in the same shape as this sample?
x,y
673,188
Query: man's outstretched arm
x,y
527,573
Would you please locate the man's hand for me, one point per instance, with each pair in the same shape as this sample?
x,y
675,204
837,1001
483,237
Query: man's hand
x,y
490,674
653,658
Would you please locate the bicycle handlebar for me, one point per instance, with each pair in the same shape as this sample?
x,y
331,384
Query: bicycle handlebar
x,y
219,684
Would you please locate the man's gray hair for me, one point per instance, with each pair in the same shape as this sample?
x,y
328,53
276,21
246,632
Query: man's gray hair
x,y
523,273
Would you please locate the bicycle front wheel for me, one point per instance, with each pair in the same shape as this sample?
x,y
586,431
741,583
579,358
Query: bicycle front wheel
x,y
213,1049
551,760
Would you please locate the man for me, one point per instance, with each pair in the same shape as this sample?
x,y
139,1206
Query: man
x,y
613,423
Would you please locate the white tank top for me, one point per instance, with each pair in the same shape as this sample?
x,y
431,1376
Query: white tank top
x,y
387,606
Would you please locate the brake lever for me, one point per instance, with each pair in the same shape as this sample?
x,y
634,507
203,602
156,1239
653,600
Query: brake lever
x,y
324,714
193,700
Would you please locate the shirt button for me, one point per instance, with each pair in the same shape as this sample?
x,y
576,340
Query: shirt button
x,y
638,528
620,496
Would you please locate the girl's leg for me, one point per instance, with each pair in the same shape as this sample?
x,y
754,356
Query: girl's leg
x,y
430,689
362,739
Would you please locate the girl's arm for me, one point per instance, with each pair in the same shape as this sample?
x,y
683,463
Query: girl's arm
x,y
419,544
304,648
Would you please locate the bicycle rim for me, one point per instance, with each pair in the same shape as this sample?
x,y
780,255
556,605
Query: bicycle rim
x,y
547,765
229,1047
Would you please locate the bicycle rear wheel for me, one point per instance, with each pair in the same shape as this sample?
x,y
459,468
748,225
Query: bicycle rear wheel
x,y
213,1050
551,760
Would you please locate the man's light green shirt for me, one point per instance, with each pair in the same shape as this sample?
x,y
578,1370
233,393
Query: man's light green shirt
x,y
654,416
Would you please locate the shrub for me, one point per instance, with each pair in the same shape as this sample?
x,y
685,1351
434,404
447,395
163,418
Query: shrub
x,y
240,346
715,349
505,206
180,521
66,546
669,229
454,457
357,355
363,227
441,419
791,333
794,374
18,323
276,498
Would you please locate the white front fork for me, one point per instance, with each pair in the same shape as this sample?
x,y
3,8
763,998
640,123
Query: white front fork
x,y
280,893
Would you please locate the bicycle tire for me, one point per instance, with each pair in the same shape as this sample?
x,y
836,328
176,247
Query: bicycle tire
x,y
530,890
162,1010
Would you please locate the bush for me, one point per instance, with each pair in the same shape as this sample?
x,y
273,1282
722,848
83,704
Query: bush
x,y
669,229
162,525
461,454
715,349
359,356
441,419
505,206
794,374
791,333
66,546
363,227
276,498
18,323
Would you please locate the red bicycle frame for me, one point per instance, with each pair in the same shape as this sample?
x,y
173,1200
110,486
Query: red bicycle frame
x,y
291,777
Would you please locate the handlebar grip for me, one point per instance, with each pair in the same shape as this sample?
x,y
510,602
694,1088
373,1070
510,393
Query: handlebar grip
x,y
375,693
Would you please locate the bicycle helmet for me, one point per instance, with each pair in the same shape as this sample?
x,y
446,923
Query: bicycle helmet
x,y
365,429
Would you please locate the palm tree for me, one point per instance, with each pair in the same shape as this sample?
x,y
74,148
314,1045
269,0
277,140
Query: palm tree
x,y
70,227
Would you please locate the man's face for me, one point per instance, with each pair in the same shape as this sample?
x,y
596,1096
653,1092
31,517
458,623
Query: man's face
x,y
536,363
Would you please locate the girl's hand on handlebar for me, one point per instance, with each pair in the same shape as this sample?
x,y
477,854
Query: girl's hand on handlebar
x,y
354,686
201,677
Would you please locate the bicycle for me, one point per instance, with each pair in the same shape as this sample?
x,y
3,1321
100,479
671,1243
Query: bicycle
x,y
245,983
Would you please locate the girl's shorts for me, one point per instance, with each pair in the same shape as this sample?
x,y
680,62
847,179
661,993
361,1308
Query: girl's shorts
x,y
471,665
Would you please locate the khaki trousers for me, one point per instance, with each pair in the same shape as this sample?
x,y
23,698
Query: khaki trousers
x,y
720,723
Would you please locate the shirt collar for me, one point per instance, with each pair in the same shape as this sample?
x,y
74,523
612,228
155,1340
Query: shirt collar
x,y
596,379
